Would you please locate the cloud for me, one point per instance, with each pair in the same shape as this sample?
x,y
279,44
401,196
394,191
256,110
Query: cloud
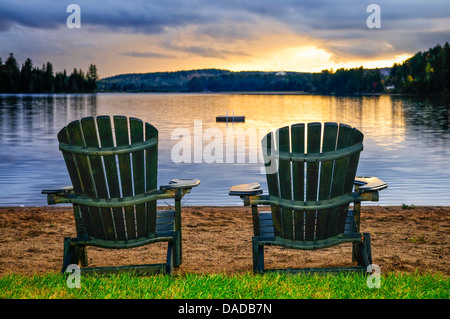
x,y
227,30
148,55
29,14
130,16
206,51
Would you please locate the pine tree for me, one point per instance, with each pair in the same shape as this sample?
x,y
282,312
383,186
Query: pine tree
x,y
12,74
91,79
26,83
48,78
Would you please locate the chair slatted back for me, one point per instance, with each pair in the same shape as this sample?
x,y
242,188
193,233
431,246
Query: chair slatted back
x,y
316,179
112,158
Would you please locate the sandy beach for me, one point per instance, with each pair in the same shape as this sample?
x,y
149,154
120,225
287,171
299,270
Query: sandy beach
x,y
218,240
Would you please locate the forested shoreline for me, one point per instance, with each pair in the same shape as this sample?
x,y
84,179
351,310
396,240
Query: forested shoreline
x,y
424,73
31,79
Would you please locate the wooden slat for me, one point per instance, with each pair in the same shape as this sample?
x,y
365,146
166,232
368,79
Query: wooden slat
x,y
298,168
356,138
136,269
106,139
122,138
151,174
165,222
326,174
337,218
352,165
69,159
165,217
340,167
326,171
298,177
266,224
312,169
91,216
268,143
285,179
137,136
350,223
98,174
312,177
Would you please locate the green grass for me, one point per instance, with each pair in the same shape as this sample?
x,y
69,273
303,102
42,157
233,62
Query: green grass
x,y
220,286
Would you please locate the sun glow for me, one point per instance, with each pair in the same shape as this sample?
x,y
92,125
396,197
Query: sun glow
x,y
308,59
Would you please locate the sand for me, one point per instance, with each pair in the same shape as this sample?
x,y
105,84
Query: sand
x,y
218,240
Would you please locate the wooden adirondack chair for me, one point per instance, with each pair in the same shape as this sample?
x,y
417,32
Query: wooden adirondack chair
x,y
114,193
310,192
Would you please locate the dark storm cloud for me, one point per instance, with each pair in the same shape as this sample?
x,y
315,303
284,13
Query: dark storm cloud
x,y
154,16
45,15
136,16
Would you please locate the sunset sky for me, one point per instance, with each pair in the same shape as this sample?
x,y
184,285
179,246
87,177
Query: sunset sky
x,y
139,36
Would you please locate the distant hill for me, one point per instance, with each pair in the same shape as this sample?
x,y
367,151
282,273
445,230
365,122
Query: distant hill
x,y
206,80
343,81
156,81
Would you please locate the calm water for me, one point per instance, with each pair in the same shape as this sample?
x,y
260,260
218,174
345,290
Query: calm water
x,y
407,140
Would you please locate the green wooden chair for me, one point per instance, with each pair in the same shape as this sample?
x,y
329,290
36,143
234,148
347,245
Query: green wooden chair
x,y
113,169
310,192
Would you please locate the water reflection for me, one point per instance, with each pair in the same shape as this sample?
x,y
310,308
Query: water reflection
x,y
407,139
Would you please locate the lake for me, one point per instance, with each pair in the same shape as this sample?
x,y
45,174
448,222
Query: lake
x,y
406,144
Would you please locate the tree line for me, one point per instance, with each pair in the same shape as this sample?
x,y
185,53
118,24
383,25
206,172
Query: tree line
x,y
251,81
348,81
343,81
208,80
424,73
31,79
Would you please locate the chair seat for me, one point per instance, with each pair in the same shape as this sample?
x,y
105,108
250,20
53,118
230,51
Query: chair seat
x,y
267,234
165,220
350,223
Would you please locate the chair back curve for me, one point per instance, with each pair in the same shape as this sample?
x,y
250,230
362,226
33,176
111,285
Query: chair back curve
x,y
111,158
315,165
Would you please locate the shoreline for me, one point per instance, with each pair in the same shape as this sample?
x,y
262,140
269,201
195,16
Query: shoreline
x,y
217,239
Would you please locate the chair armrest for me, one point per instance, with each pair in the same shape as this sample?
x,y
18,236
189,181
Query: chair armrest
x,y
54,194
250,189
369,184
60,191
180,184
153,195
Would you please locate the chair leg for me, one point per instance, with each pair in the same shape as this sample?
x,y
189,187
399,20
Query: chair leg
x,y
170,257
70,256
81,252
179,255
258,256
363,252
177,249
367,247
